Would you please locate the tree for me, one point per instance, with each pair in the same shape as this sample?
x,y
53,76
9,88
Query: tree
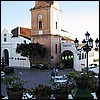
x,y
31,50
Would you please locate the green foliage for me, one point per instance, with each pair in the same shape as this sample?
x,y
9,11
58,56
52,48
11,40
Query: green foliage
x,y
30,50
83,76
93,83
14,83
72,74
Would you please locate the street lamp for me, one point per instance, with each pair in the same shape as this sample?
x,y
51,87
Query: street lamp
x,y
97,43
88,45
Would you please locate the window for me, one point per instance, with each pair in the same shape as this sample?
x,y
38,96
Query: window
x,y
82,55
40,25
56,25
56,48
5,37
79,56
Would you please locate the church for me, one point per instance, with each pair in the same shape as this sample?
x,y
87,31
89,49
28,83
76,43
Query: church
x,y
46,29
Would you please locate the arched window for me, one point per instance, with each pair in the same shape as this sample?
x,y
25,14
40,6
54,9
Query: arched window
x,y
5,37
40,25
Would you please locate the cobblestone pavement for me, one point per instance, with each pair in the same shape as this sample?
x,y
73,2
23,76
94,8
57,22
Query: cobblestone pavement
x,y
33,77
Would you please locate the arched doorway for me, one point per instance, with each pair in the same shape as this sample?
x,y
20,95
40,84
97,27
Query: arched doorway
x,y
67,58
6,56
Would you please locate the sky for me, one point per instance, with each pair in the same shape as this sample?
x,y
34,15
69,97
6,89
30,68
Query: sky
x,y
78,17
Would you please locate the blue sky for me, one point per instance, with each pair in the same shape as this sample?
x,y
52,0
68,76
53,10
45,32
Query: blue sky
x,y
78,16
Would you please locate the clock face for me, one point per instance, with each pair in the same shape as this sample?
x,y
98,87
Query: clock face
x,y
39,16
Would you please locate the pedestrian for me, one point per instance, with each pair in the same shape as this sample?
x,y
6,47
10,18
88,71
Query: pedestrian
x,y
52,73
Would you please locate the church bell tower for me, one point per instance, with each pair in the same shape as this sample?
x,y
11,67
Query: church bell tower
x,y
45,29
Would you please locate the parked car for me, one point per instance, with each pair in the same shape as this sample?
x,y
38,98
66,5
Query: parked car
x,y
2,74
90,66
39,66
3,64
94,68
8,70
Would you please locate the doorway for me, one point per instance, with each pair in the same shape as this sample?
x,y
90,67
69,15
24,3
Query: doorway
x,y
6,56
67,58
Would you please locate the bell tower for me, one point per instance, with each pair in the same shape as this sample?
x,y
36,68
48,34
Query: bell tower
x,y
45,18
45,27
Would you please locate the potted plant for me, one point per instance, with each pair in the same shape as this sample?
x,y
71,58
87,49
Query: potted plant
x,y
42,91
60,91
81,78
93,85
72,74
14,87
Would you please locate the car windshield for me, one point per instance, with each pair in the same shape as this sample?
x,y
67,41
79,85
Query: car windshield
x,y
93,66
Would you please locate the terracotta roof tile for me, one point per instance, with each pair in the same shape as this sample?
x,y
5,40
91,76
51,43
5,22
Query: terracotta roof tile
x,y
25,32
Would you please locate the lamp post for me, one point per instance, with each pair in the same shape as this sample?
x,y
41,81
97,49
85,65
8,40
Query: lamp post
x,y
88,45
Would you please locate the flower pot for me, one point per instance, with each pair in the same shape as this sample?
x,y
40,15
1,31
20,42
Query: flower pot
x,y
43,97
15,94
61,96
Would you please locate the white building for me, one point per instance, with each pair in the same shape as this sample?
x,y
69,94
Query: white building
x,y
94,57
77,59
70,56
9,43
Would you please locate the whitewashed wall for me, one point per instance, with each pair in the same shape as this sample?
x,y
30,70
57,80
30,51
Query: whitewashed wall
x,y
70,46
11,45
55,17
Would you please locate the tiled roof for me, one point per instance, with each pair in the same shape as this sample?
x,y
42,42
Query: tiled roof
x,y
25,32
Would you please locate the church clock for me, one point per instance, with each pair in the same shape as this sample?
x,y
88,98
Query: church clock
x,y
40,16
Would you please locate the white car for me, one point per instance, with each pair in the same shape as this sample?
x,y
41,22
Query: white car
x,y
93,65
95,70
2,74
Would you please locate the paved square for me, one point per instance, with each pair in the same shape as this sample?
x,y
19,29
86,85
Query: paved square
x,y
33,77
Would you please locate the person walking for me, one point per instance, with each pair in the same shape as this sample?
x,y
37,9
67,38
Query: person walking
x,y
52,73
